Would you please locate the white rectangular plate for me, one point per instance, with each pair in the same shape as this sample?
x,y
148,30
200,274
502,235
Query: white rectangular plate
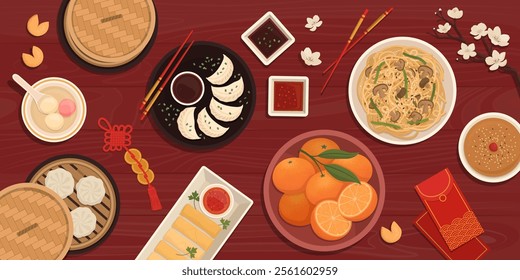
x,y
203,178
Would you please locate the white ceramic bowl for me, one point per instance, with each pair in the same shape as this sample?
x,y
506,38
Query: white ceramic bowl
x,y
449,83
81,111
201,201
198,78
462,155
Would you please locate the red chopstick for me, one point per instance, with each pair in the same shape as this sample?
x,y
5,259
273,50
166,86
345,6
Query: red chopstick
x,y
354,31
149,94
165,81
376,22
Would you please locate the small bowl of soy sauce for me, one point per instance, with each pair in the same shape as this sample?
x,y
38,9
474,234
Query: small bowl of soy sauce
x,y
187,88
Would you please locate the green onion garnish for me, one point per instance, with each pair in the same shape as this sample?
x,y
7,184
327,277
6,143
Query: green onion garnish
x,y
375,107
415,57
377,71
394,126
418,122
433,92
405,84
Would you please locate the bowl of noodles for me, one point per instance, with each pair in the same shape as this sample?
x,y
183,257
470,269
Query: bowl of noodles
x,y
402,90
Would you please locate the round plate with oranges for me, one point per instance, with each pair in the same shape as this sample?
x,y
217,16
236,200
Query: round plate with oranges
x,y
324,190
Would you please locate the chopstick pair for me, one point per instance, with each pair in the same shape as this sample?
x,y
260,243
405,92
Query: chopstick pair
x,y
152,91
349,46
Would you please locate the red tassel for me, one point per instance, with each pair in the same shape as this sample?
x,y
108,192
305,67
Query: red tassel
x,y
155,203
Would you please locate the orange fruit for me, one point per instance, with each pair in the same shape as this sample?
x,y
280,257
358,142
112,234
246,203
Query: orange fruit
x,y
291,174
328,223
357,201
315,147
295,209
359,165
321,187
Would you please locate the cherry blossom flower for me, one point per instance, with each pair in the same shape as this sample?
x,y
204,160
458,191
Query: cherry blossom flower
x,y
478,31
467,51
310,58
313,23
444,28
455,13
497,38
496,60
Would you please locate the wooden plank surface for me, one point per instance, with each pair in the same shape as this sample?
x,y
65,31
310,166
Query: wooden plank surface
x,y
243,162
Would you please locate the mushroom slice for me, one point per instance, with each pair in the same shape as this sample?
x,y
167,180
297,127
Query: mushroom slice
x,y
426,105
380,90
395,115
424,81
415,116
399,65
223,73
230,92
425,71
368,71
401,93
223,112
208,126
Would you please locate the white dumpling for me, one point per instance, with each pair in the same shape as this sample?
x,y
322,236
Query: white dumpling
x,y
60,181
54,121
84,221
230,92
90,190
208,126
186,123
223,112
223,73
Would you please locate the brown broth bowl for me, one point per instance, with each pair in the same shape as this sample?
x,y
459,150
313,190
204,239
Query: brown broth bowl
x,y
187,88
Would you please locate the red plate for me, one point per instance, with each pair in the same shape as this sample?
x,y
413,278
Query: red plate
x,y
304,236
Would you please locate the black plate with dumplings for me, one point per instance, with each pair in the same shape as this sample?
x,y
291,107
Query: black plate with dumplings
x,y
106,212
204,58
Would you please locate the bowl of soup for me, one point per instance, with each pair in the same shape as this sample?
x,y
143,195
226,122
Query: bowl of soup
x,y
68,118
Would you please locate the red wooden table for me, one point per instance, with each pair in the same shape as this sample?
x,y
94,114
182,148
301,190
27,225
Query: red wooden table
x,y
244,161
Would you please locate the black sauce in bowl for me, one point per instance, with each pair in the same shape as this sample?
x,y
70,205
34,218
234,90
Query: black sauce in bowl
x,y
268,38
187,88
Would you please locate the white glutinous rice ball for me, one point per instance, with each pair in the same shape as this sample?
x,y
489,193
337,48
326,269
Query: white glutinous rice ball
x,y
91,190
54,121
60,181
48,105
84,221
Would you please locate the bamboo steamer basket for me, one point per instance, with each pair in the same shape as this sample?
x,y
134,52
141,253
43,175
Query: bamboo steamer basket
x,y
35,223
109,33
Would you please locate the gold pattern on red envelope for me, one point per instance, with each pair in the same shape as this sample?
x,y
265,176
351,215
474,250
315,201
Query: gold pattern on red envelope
x,y
461,230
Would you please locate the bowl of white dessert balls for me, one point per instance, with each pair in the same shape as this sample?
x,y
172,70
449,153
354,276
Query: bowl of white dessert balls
x,y
55,123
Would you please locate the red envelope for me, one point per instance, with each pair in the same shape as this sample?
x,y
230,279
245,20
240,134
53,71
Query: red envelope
x,y
472,250
449,209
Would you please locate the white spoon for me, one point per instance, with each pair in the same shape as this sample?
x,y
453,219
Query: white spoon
x,y
45,103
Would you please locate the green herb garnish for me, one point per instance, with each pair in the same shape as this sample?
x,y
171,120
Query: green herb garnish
x,y
433,92
338,172
418,122
377,71
195,197
375,107
415,57
224,223
394,126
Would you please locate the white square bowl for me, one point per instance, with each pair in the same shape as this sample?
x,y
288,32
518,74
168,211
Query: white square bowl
x,y
270,98
268,60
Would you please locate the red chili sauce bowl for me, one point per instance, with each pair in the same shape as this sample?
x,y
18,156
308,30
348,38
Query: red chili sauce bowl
x,y
216,201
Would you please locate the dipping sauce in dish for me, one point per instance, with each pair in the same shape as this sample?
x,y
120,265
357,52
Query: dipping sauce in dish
x,y
268,38
216,200
492,147
54,122
187,88
288,96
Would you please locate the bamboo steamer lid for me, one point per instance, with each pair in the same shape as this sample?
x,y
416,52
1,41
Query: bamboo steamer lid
x,y
35,223
109,33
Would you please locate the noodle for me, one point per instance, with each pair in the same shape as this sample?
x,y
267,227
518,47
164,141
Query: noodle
x,y
401,91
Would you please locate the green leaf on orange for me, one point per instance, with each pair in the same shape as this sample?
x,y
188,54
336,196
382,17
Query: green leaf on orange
x,y
341,173
334,154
